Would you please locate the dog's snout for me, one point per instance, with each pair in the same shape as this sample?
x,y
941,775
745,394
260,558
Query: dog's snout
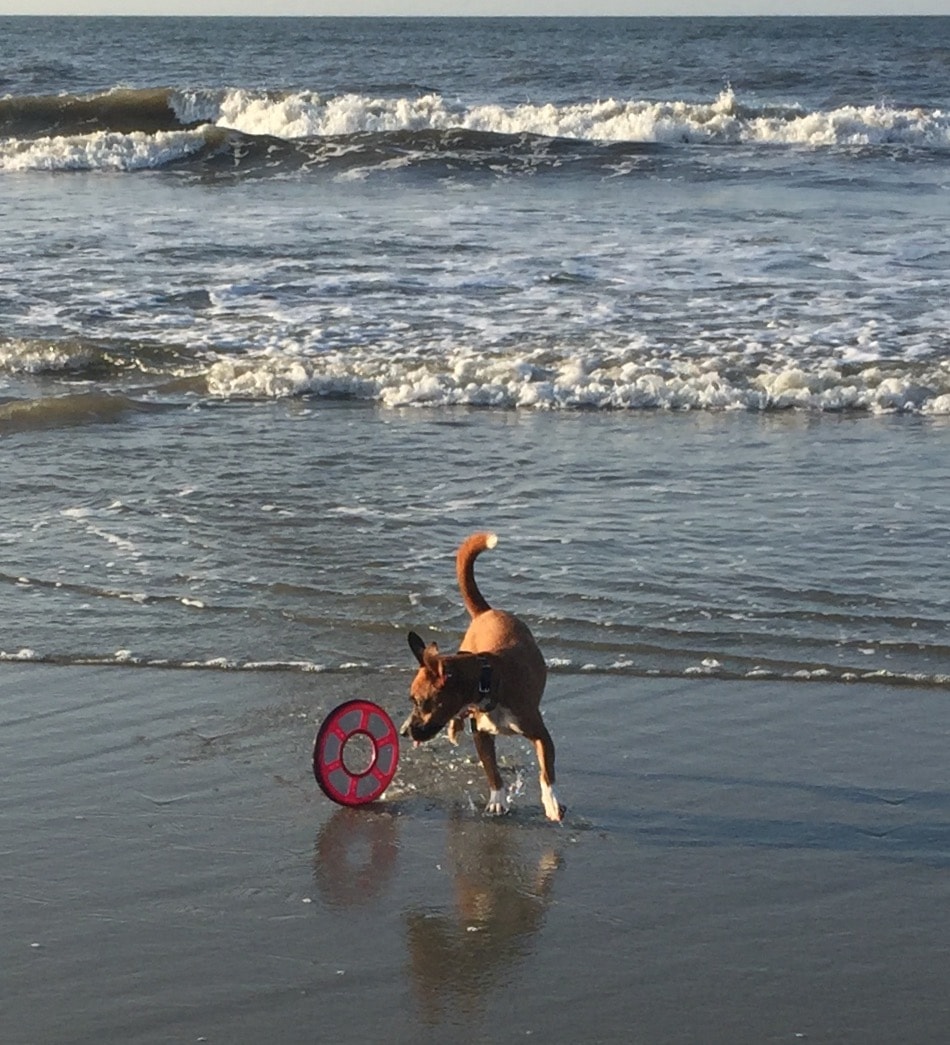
x,y
422,731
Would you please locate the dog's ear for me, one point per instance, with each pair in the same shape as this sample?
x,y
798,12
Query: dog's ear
x,y
432,662
418,647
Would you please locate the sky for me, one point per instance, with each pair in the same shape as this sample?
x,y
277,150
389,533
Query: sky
x,y
475,7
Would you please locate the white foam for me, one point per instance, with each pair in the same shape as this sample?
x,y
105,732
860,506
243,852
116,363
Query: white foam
x,y
722,120
728,381
104,150
854,125
308,114
33,357
283,665
23,654
90,521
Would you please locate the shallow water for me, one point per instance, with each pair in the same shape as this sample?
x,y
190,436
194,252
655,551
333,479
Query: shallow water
x,y
318,535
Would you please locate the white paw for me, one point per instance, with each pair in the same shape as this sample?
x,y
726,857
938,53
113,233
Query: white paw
x,y
553,809
497,803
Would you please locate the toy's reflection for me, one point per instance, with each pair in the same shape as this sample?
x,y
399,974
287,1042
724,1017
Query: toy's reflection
x,y
459,947
354,857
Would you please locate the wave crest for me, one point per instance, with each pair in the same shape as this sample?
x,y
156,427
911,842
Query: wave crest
x,y
102,150
543,379
722,121
540,381
131,130
67,411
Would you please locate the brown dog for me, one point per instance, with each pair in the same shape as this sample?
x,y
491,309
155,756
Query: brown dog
x,y
496,679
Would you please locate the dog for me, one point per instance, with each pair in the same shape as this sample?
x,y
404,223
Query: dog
x,y
496,680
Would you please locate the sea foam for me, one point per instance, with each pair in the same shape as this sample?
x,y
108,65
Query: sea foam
x,y
578,382
721,121
102,150
309,115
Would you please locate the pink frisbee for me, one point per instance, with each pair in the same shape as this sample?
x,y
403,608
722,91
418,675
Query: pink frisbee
x,y
355,753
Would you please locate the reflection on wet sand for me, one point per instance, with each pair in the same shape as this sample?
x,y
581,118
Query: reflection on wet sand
x,y
501,894
355,856
457,950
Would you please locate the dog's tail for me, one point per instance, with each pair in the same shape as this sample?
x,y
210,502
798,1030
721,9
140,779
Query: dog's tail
x,y
470,549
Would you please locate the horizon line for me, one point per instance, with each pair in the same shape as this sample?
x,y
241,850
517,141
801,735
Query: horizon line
x,y
482,17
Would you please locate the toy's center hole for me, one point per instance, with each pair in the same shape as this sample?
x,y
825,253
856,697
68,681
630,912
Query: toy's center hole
x,y
358,754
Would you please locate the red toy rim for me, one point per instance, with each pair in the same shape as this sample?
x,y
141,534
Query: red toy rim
x,y
341,783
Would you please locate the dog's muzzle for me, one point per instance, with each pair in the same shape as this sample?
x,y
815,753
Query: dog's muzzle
x,y
418,731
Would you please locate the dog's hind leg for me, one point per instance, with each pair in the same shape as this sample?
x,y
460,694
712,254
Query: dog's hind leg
x,y
497,799
544,748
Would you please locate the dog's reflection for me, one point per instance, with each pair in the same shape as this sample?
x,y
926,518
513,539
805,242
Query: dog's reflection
x,y
501,891
501,877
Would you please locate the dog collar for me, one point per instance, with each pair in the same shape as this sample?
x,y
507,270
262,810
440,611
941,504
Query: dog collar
x,y
485,700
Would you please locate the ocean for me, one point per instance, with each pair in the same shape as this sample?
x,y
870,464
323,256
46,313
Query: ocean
x,y
288,307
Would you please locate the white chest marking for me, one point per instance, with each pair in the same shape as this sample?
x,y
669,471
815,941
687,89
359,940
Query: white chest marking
x,y
499,721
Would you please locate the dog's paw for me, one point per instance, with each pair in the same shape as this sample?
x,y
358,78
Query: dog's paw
x,y
497,803
553,809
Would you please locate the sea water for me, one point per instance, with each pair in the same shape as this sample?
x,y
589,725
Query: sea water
x,y
288,307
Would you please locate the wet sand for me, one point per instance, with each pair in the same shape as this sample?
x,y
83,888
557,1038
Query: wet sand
x,y
741,863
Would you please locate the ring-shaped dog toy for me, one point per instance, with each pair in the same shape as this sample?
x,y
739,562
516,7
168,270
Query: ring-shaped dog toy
x,y
355,753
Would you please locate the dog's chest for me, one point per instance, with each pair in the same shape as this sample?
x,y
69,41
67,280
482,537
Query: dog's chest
x,y
498,721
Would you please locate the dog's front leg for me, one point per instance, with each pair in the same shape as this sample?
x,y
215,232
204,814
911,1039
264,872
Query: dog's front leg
x,y
497,799
544,748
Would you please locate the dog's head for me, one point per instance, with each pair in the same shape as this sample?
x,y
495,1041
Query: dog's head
x,y
436,697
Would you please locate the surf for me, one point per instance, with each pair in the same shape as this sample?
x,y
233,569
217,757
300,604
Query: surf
x,y
276,132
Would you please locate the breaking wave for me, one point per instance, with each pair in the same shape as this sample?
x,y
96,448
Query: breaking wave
x,y
535,379
245,131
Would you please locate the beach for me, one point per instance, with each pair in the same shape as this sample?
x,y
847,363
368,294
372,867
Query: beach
x,y
771,868
288,309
